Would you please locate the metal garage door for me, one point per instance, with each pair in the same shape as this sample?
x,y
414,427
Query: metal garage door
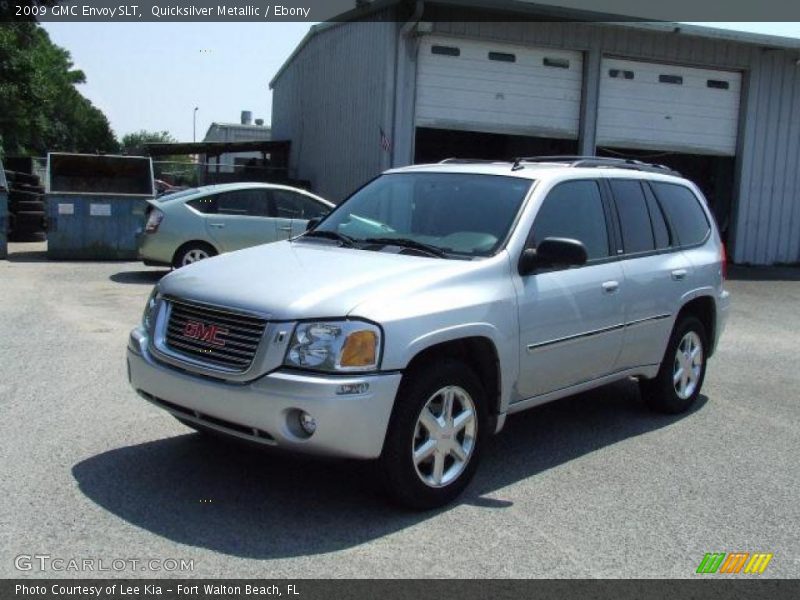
x,y
483,86
666,107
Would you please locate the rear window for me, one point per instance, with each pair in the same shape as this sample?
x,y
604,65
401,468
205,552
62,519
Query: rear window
x,y
634,218
683,210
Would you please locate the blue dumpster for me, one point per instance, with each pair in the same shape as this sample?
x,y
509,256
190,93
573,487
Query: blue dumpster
x,y
3,213
96,205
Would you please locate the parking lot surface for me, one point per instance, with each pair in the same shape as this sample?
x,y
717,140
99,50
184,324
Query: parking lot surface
x,y
591,486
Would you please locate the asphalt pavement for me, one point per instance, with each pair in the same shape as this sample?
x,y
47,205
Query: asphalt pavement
x,y
590,486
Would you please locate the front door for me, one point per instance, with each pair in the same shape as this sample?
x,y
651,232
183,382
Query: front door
x,y
571,319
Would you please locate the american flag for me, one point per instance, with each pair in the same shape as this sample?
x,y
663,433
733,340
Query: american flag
x,y
386,143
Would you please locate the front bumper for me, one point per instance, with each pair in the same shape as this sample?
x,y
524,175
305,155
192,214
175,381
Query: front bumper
x,y
349,425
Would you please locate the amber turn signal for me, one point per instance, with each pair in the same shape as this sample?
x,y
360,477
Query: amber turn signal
x,y
360,349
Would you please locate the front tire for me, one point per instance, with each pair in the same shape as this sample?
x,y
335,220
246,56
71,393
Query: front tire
x,y
676,387
436,434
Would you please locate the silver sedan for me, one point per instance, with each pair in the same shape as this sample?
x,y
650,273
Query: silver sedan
x,y
191,225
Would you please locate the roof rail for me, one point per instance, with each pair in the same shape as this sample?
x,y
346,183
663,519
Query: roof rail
x,y
468,161
597,161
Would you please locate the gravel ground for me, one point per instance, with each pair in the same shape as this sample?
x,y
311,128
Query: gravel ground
x,y
591,486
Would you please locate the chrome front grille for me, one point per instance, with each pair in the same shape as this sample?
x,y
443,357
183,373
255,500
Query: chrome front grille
x,y
215,336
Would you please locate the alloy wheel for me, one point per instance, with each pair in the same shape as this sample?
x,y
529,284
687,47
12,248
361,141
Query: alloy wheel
x,y
444,436
688,365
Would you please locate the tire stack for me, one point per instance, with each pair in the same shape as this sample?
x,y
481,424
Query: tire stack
x,y
26,208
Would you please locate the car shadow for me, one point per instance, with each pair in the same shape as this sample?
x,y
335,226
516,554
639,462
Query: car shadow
x,y
249,503
138,277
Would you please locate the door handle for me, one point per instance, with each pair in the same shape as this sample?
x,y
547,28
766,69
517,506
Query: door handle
x,y
609,287
217,225
286,228
679,274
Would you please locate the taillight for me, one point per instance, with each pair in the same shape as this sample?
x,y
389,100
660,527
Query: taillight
x,y
723,262
153,221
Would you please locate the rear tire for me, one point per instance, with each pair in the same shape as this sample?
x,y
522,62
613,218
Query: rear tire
x,y
676,387
192,252
436,433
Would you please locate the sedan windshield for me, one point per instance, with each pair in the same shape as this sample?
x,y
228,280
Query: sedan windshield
x,y
429,213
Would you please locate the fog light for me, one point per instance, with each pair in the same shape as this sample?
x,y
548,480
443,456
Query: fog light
x,y
307,422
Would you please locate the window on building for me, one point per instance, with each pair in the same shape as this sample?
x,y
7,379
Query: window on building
x,y
620,74
682,207
718,84
676,79
634,218
503,57
574,210
559,63
446,50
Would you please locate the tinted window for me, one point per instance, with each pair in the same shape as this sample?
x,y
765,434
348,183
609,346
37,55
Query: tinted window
x,y
290,205
206,204
684,212
637,234
243,202
660,229
574,210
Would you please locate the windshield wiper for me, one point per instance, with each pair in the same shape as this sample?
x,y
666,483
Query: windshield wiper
x,y
408,243
344,240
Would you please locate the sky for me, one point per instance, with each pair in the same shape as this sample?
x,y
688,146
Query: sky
x,y
152,75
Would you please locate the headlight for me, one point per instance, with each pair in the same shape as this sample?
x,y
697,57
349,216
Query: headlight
x,y
150,309
335,346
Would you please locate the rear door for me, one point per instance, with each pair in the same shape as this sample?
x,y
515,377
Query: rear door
x,y
242,219
571,319
655,273
293,210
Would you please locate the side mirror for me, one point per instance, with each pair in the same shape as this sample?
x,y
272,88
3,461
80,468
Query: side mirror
x,y
553,252
313,223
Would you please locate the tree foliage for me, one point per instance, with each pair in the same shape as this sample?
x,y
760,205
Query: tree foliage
x,y
133,143
41,109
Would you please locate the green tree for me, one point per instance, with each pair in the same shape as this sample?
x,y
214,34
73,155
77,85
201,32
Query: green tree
x,y
134,143
42,110
178,169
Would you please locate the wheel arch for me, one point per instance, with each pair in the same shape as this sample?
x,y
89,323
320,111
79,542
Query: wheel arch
x,y
480,353
705,309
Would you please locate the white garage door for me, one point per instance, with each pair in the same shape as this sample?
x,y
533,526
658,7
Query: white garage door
x,y
497,88
665,107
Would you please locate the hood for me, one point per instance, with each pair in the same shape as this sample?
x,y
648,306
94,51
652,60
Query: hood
x,y
302,280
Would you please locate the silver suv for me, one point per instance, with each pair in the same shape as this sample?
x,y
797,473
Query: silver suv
x,y
408,323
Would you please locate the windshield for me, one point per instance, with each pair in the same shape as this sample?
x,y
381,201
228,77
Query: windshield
x,y
457,213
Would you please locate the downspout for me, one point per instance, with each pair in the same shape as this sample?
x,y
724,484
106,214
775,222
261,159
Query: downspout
x,y
400,71
415,18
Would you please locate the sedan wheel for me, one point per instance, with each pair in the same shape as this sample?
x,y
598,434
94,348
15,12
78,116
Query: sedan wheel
x,y
191,253
192,256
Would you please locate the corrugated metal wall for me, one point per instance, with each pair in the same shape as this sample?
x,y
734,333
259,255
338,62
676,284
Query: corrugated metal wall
x,y
332,101
339,90
767,202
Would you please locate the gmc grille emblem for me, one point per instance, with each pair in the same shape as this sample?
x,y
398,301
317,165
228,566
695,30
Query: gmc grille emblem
x,y
209,334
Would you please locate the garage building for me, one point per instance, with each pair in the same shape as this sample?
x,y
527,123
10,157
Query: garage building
x,y
401,83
